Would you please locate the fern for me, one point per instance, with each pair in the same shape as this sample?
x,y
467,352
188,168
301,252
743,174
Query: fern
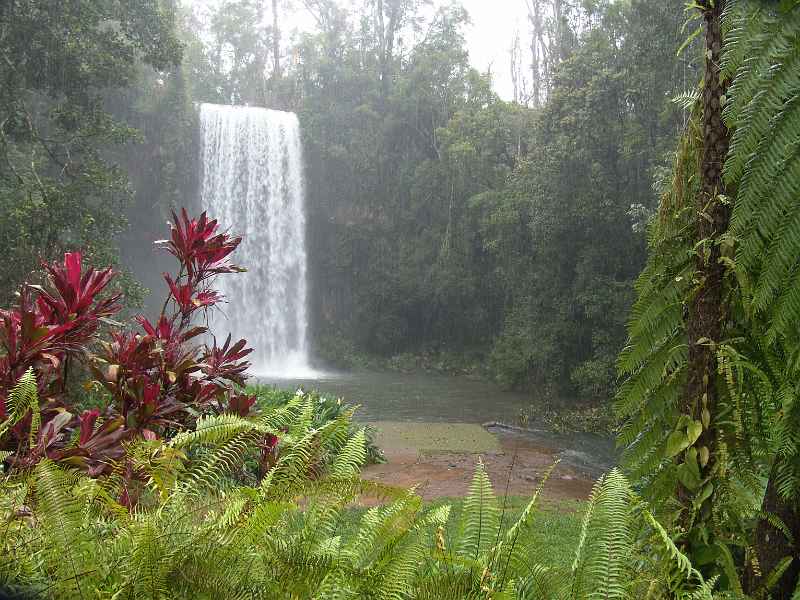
x,y
61,524
23,399
603,558
653,362
481,516
763,59
208,538
351,457
216,429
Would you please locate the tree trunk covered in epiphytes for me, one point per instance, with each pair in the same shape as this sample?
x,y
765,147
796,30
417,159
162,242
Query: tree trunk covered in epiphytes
x,y
772,546
707,312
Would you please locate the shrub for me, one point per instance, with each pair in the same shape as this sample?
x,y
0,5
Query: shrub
x,y
325,409
158,380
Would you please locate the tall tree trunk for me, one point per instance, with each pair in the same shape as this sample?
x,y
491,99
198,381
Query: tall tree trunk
x,y
276,42
707,313
386,33
515,70
558,18
381,27
772,546
535,17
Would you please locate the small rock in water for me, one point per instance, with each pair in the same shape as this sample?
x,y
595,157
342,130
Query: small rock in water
x,y
452,465
529,478
567,477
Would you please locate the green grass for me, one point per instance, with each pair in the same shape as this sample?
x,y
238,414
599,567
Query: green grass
x,y
556,526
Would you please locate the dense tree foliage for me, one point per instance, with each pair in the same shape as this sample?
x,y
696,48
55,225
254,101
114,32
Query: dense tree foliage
x,y
445,219
441,218
59,63
563,232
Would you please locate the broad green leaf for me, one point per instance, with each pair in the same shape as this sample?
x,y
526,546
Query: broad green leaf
x,y
687,477
676,443
693,431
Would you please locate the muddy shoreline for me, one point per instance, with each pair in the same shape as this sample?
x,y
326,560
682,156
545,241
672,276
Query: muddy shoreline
x,y
442,465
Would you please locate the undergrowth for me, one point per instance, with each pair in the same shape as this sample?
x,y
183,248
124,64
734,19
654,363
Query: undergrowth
x,y
197,533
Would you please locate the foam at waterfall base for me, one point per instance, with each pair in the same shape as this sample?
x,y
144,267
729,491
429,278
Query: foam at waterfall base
x,y
292,368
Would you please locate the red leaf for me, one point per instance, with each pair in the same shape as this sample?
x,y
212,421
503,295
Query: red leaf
x,y
87,419
151,392
72,266
241,404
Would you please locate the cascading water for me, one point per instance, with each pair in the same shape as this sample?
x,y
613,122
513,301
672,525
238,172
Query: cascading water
x,y
252,182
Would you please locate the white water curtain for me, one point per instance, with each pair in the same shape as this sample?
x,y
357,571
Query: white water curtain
x,y
252,182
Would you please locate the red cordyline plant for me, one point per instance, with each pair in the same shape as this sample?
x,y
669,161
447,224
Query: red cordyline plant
x,y
160,379
45,331
163,379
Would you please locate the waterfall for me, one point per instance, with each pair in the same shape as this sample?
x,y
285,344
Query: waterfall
x,y
252,182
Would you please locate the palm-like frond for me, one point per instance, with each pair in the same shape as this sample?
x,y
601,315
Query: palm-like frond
x,y
763,61
653,364
480,519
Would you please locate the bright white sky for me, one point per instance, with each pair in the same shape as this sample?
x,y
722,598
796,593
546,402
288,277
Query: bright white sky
x,y
489,38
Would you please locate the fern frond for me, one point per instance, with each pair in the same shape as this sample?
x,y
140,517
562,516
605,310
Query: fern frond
x,y
480,519
680,569
763,58
219,463
217,429
352,457
23,398
602,564
61,524
687,99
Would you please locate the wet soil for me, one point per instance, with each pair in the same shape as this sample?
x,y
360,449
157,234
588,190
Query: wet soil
x,y
515,465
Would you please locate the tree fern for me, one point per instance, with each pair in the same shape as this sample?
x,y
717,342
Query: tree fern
x,y
755,414
764,60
